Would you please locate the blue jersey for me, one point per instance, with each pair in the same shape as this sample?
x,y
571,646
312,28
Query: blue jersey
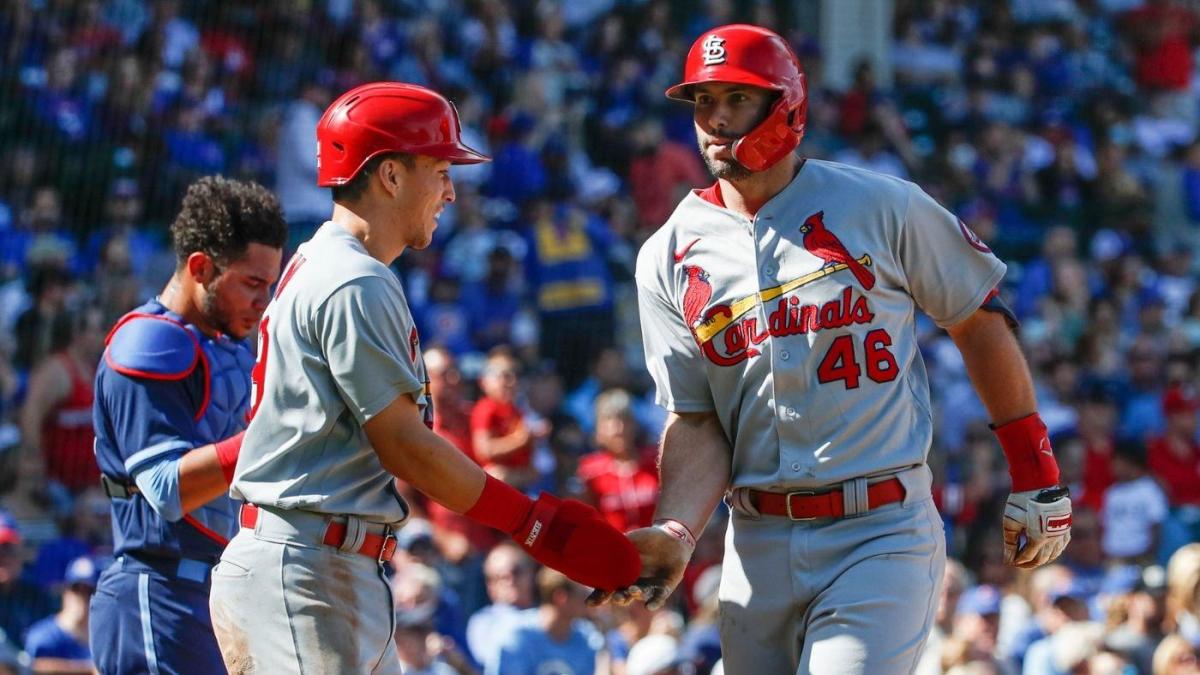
x,y
163,388
47,639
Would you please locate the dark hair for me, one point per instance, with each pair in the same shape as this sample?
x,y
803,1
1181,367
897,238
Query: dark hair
x,y
1131,451
221,217
357,186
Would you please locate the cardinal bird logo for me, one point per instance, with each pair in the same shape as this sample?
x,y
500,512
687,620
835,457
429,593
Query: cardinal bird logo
x,y
697,295
825,245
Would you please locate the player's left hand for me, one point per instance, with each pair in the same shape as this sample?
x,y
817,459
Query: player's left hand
x,y
1042,518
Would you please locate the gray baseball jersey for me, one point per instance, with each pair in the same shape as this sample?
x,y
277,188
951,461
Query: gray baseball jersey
x,y
336,346
797,326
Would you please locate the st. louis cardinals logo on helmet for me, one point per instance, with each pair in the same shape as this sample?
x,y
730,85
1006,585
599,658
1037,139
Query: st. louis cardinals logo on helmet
x,y
714,50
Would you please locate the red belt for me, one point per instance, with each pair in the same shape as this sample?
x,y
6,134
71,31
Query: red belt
x,y
380,547
810,505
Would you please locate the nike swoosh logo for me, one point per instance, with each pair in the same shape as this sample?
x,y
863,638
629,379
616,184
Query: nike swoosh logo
x,y
679,254
1044,450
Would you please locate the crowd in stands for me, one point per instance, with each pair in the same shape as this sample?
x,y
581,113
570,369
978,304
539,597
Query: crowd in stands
x,y
1063,133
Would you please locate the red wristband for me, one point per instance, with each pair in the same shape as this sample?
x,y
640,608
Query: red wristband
x,y
501,506
1026,445
227,454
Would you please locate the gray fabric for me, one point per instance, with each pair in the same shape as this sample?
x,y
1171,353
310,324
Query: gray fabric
x,y
283,604
341,346
762,376
853,595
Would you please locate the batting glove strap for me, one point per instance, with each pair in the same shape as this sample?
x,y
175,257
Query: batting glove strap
x,y
1043,519
1026,446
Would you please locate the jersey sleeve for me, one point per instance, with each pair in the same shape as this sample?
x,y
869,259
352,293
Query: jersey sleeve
x,y
151,420
672,356
949,270
367,336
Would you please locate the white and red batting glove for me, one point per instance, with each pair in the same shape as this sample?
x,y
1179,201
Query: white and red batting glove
x,y
1037,515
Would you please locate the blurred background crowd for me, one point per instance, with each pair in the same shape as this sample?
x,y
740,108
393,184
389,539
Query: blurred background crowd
x,y
1063,132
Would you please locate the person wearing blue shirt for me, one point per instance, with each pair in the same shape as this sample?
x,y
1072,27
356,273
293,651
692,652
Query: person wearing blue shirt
x,y
555,638
59,643
172,396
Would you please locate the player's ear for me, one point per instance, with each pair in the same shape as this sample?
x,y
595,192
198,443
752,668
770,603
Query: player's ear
x,y
201,267
391,176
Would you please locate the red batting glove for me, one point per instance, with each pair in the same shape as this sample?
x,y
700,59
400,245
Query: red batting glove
x,y
566,535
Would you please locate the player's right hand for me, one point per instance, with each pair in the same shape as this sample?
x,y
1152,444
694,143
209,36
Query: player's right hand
x,y
1043,519
664,559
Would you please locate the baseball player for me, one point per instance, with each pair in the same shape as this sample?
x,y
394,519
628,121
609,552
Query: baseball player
x,y
341,406
172,393
777,309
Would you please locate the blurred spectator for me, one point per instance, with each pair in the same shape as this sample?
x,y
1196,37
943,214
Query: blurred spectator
x,y
491,305
976,627
1097,421
1056,608
59,643
701,642
1174,457
49,287
954,582
655,655
444,319
56,420
418,589
423,651
621,476
1175,656
509,572
1145,610
570,277
304,204
1142,411
84,531
1164,34
21,603
659,172
1183,592
1085,555
557,633
1134,508
501,437
1074,645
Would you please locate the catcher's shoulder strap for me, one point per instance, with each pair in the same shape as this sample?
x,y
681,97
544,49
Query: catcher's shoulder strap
x,y
151,346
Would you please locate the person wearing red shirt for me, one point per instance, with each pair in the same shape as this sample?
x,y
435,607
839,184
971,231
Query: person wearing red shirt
x,y
502,440
1097,425
1164,33
660,172
457,535
452,412
56,420
1174,457
620,478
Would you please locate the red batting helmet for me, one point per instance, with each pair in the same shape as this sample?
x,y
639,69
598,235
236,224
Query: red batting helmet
x,y
744,54
387,117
